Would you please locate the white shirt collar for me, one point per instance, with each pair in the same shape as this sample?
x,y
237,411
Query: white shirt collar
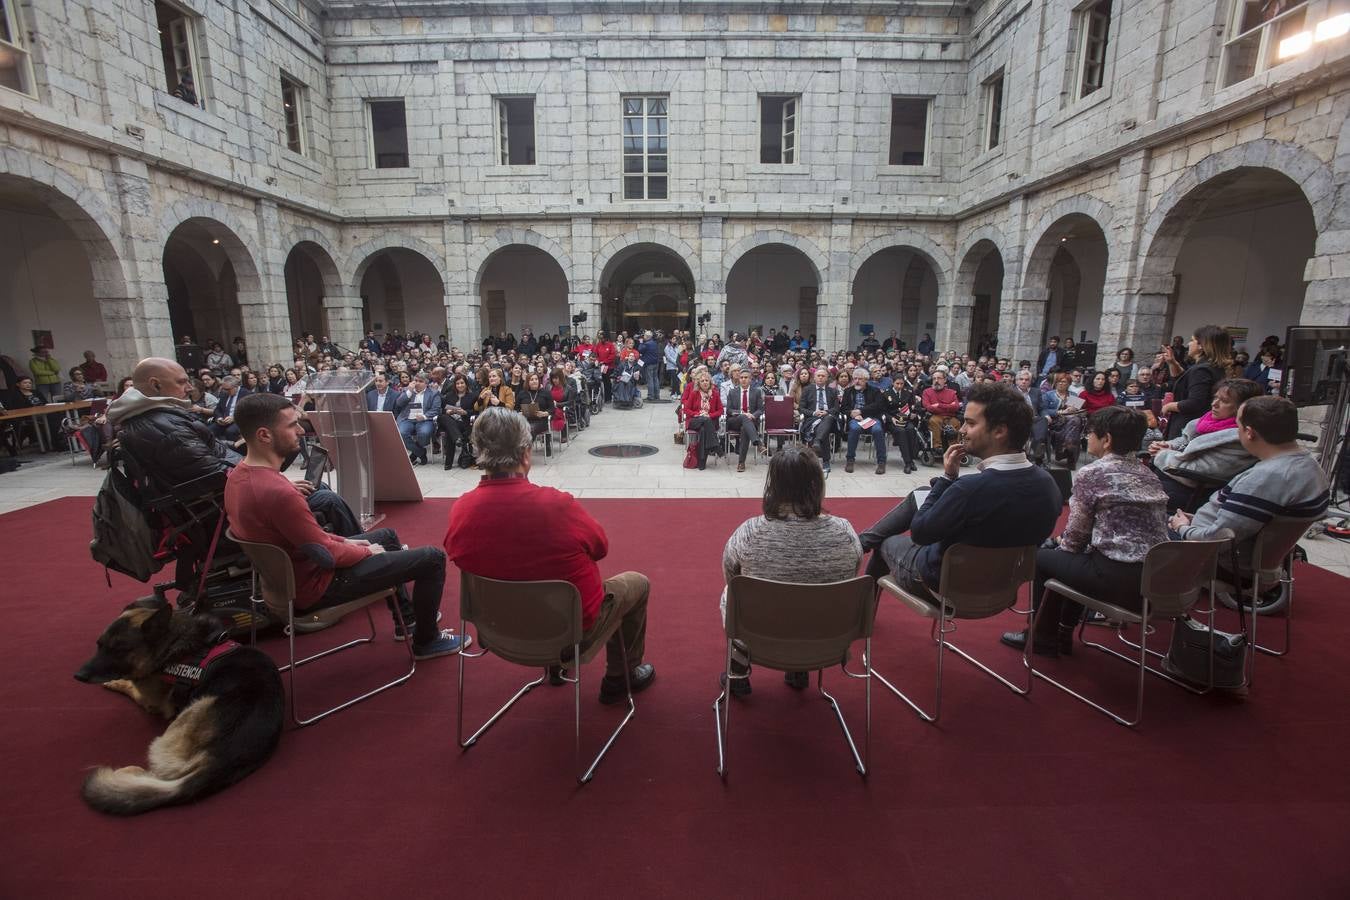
x,y
1006,462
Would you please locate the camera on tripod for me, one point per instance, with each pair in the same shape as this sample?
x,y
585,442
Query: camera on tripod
x,y
705,318
579,318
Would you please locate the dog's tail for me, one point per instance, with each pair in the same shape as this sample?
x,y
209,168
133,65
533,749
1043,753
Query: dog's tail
x,y
132,790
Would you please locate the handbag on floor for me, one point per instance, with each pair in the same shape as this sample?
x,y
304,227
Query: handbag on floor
x,y
1188,657
691,456
679,436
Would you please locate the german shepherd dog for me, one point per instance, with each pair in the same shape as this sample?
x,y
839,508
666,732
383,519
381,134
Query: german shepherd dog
x,y
226,708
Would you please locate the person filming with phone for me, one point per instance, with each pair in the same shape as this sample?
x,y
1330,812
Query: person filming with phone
x,y
1008,503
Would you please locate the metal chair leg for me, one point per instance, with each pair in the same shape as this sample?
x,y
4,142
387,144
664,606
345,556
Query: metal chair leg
x,y
860,762
297,663
632,709
1142,664
939,637
1286,577
721,712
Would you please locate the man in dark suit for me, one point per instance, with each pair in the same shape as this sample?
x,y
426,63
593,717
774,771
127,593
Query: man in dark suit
x,y
819,408
384,397
222,423
1051,358
859,403
1040,426
745,404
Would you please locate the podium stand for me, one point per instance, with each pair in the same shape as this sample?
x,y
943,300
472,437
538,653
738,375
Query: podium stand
x,y
342,424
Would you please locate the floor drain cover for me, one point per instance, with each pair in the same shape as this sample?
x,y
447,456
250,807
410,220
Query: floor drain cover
x,y
623,451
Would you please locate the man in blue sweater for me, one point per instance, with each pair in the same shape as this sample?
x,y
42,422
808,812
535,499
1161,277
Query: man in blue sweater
x,y
1008,503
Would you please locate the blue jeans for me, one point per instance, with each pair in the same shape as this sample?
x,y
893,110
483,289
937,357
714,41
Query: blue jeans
x,y
855,432
416,436
652,372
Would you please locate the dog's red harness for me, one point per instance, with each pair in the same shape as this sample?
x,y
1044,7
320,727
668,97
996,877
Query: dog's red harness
x,y
186,674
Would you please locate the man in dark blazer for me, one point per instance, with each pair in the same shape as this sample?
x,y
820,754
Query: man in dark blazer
x,y
819,409
222,423
860,402
745,405
384,397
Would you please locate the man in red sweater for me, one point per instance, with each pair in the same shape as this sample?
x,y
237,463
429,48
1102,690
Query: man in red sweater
x,y
942,404
264,507
567,549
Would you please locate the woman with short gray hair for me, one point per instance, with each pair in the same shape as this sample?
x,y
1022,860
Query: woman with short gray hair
x,y
500,438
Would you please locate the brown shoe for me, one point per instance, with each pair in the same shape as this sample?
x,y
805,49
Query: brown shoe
x,y
848,465
881,468
740,467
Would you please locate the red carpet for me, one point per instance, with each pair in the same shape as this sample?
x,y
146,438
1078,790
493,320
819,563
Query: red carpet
x,y
1007,797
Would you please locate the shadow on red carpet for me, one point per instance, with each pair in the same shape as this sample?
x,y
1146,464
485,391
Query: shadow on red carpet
x,y
1007,797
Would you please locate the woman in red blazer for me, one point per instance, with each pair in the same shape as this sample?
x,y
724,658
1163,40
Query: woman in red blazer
x,y
702,409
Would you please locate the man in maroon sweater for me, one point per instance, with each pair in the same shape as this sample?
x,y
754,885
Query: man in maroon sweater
x,y
264,507
942,404
567,549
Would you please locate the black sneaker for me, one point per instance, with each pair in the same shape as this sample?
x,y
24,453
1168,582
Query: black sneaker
x,y
797,680
612,689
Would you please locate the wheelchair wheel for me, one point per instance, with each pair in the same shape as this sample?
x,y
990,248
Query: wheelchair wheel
x,y
926,456
1273,601
596,403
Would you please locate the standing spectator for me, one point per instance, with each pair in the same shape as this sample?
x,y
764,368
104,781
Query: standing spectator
x,y
94,371
650,353
1210,353
926,345
217,359
672,361
568,549
824,547
1049,360
46,372
607,357
241,352
1125,364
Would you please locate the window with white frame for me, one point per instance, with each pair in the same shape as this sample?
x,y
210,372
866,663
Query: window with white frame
x,y
515,131
293,108
909,130
387,131
178,49
1254,32
778,128
16,67
993,112
646,148
1094,33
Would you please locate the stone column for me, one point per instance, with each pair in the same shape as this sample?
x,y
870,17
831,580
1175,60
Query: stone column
x,y
710,292
1328,277
1021,322
343,319
836,293
953,322
267,317
135,319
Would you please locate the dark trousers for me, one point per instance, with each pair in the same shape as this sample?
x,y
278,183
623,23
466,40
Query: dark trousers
x,y
816,432
705,429
330,509
455,432
907,438
423,566
747,431
894,552
1093,574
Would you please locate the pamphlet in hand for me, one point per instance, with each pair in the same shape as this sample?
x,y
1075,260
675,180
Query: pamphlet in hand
x,y
920,497
867,423
1072,402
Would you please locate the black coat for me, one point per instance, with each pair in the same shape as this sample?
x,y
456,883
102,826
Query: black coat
x,y
174,446
1193,390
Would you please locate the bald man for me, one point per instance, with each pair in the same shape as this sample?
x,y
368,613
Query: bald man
x,y
155,425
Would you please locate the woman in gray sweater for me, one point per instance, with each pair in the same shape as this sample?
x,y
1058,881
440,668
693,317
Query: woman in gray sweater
x,y
793,541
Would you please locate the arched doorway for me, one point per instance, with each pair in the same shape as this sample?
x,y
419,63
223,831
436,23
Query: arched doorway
x,y
1069,265
402,290
1237,246
310,276
646,287
981,276
772,286
523,287
47,275
896,289
202,283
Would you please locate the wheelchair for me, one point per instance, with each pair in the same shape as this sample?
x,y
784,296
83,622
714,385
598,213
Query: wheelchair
x,y
928,454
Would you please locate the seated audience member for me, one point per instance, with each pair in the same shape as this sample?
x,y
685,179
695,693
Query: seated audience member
x,y
902,416
942,404
494,393
859,403
77,388
1117,512
1286,482
562,392
1064,419
535,404
384,397
702,410
794,541
156,428
222,423
745,404
567,549
264,507
1097,395
1208,451
417,419
26,394
819,409
456,419
1008,503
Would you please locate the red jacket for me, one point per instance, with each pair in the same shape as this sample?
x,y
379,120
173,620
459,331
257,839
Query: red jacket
x,y
606,353
693,406
566,548
1093,402
942,403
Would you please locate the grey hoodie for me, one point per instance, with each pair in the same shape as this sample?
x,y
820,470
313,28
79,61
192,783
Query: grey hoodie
x,y
133,403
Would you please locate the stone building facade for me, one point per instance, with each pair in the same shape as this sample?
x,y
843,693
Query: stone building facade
x,y
1033,127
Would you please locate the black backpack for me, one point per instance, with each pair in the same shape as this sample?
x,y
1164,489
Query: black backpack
x,y
123,539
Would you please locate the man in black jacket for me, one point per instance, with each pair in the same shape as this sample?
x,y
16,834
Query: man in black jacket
x,y
863,408
155,427
819,409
